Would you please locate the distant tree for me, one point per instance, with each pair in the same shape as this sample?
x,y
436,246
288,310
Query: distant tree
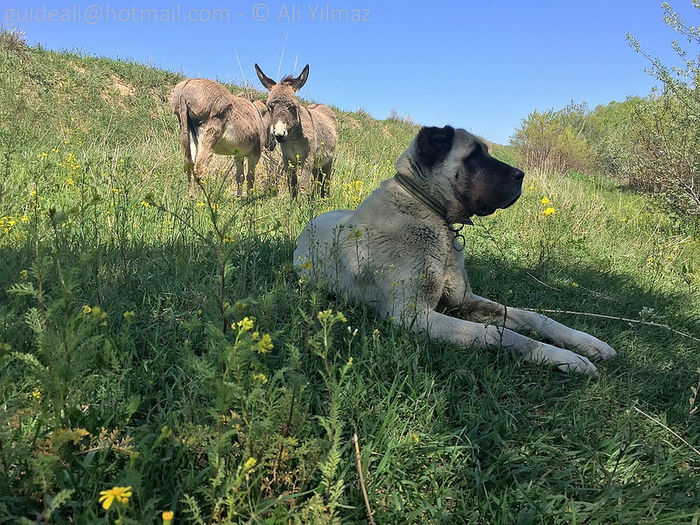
x,y
667,128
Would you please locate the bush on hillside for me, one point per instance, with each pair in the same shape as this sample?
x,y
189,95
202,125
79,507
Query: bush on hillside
x,y
554,141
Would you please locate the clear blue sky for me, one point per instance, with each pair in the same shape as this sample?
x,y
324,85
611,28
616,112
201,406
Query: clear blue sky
x,y
478,64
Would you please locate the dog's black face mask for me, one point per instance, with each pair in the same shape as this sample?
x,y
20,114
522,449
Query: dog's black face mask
x,y
480,183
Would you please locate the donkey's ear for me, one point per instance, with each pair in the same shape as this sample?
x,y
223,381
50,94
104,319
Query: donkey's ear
x,y
433,144
302,78
264,79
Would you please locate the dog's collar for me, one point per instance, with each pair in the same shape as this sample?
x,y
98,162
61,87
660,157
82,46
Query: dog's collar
x,y
436,206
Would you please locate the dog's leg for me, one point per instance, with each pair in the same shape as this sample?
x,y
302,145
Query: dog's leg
x,y
466,333
484,310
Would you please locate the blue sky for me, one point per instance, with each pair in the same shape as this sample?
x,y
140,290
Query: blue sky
x,y
481,65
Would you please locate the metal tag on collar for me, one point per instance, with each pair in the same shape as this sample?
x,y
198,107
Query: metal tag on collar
x,y
458,242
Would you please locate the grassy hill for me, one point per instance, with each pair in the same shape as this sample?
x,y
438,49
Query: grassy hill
x,y
168,346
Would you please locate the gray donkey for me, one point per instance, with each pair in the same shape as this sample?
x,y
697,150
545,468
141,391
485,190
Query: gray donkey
x,y
213,120
302,131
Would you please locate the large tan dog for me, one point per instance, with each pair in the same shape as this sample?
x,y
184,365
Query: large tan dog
x,y
397,253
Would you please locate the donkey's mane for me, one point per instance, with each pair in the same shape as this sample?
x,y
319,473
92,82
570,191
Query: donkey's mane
x,y
288,79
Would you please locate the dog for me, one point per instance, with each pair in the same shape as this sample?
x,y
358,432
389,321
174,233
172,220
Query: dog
x,y
398,253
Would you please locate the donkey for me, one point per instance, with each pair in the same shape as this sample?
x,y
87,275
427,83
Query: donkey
x,y
302,131
212,120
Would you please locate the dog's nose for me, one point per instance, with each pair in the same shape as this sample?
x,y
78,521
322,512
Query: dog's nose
x,y
518,174
281,138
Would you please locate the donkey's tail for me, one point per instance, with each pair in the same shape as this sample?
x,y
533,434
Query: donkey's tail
x,y
185,132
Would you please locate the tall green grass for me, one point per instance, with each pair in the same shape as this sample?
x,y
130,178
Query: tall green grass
x,y
169,346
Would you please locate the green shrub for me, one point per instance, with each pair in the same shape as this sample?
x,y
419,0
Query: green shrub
x,y
554,141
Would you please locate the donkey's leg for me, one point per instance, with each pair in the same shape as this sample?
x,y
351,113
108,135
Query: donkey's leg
x,y
208,138
484,310
239,173
324,175
294,168
252,164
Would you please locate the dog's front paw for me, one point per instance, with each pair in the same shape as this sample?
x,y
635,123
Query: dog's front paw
x,y
578,363
595,348
564,360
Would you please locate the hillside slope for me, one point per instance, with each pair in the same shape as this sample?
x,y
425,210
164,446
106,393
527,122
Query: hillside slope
x,y
168,346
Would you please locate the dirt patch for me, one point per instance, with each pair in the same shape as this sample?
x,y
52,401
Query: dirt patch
x,y
123,88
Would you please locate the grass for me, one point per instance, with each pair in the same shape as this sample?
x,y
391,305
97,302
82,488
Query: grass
x,y
135,333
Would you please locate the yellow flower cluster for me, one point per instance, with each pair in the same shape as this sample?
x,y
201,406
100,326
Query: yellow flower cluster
x,y
548,210
95,311
70,162
245,325
353,191
328,315
9,224
260,377
262,344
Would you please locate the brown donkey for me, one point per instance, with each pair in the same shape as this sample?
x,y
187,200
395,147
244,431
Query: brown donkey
x,y
302,131
213,120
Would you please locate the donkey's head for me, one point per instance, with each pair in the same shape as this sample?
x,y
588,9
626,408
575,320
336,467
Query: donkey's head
x,y
282,102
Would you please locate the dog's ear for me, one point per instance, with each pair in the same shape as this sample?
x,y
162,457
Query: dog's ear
x,y
433,144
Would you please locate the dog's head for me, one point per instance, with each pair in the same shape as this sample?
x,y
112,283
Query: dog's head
x,y
455,167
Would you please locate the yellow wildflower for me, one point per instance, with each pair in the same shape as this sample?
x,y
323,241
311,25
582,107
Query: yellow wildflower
x,y
250,463
115,191
167,516
246,324
624,219
260,377
548,211
575,285
24,218
44,154
264,345
129,314
145,204
36,394
200,204
86,309
415,438
545,201
70,181
118,494
23,275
